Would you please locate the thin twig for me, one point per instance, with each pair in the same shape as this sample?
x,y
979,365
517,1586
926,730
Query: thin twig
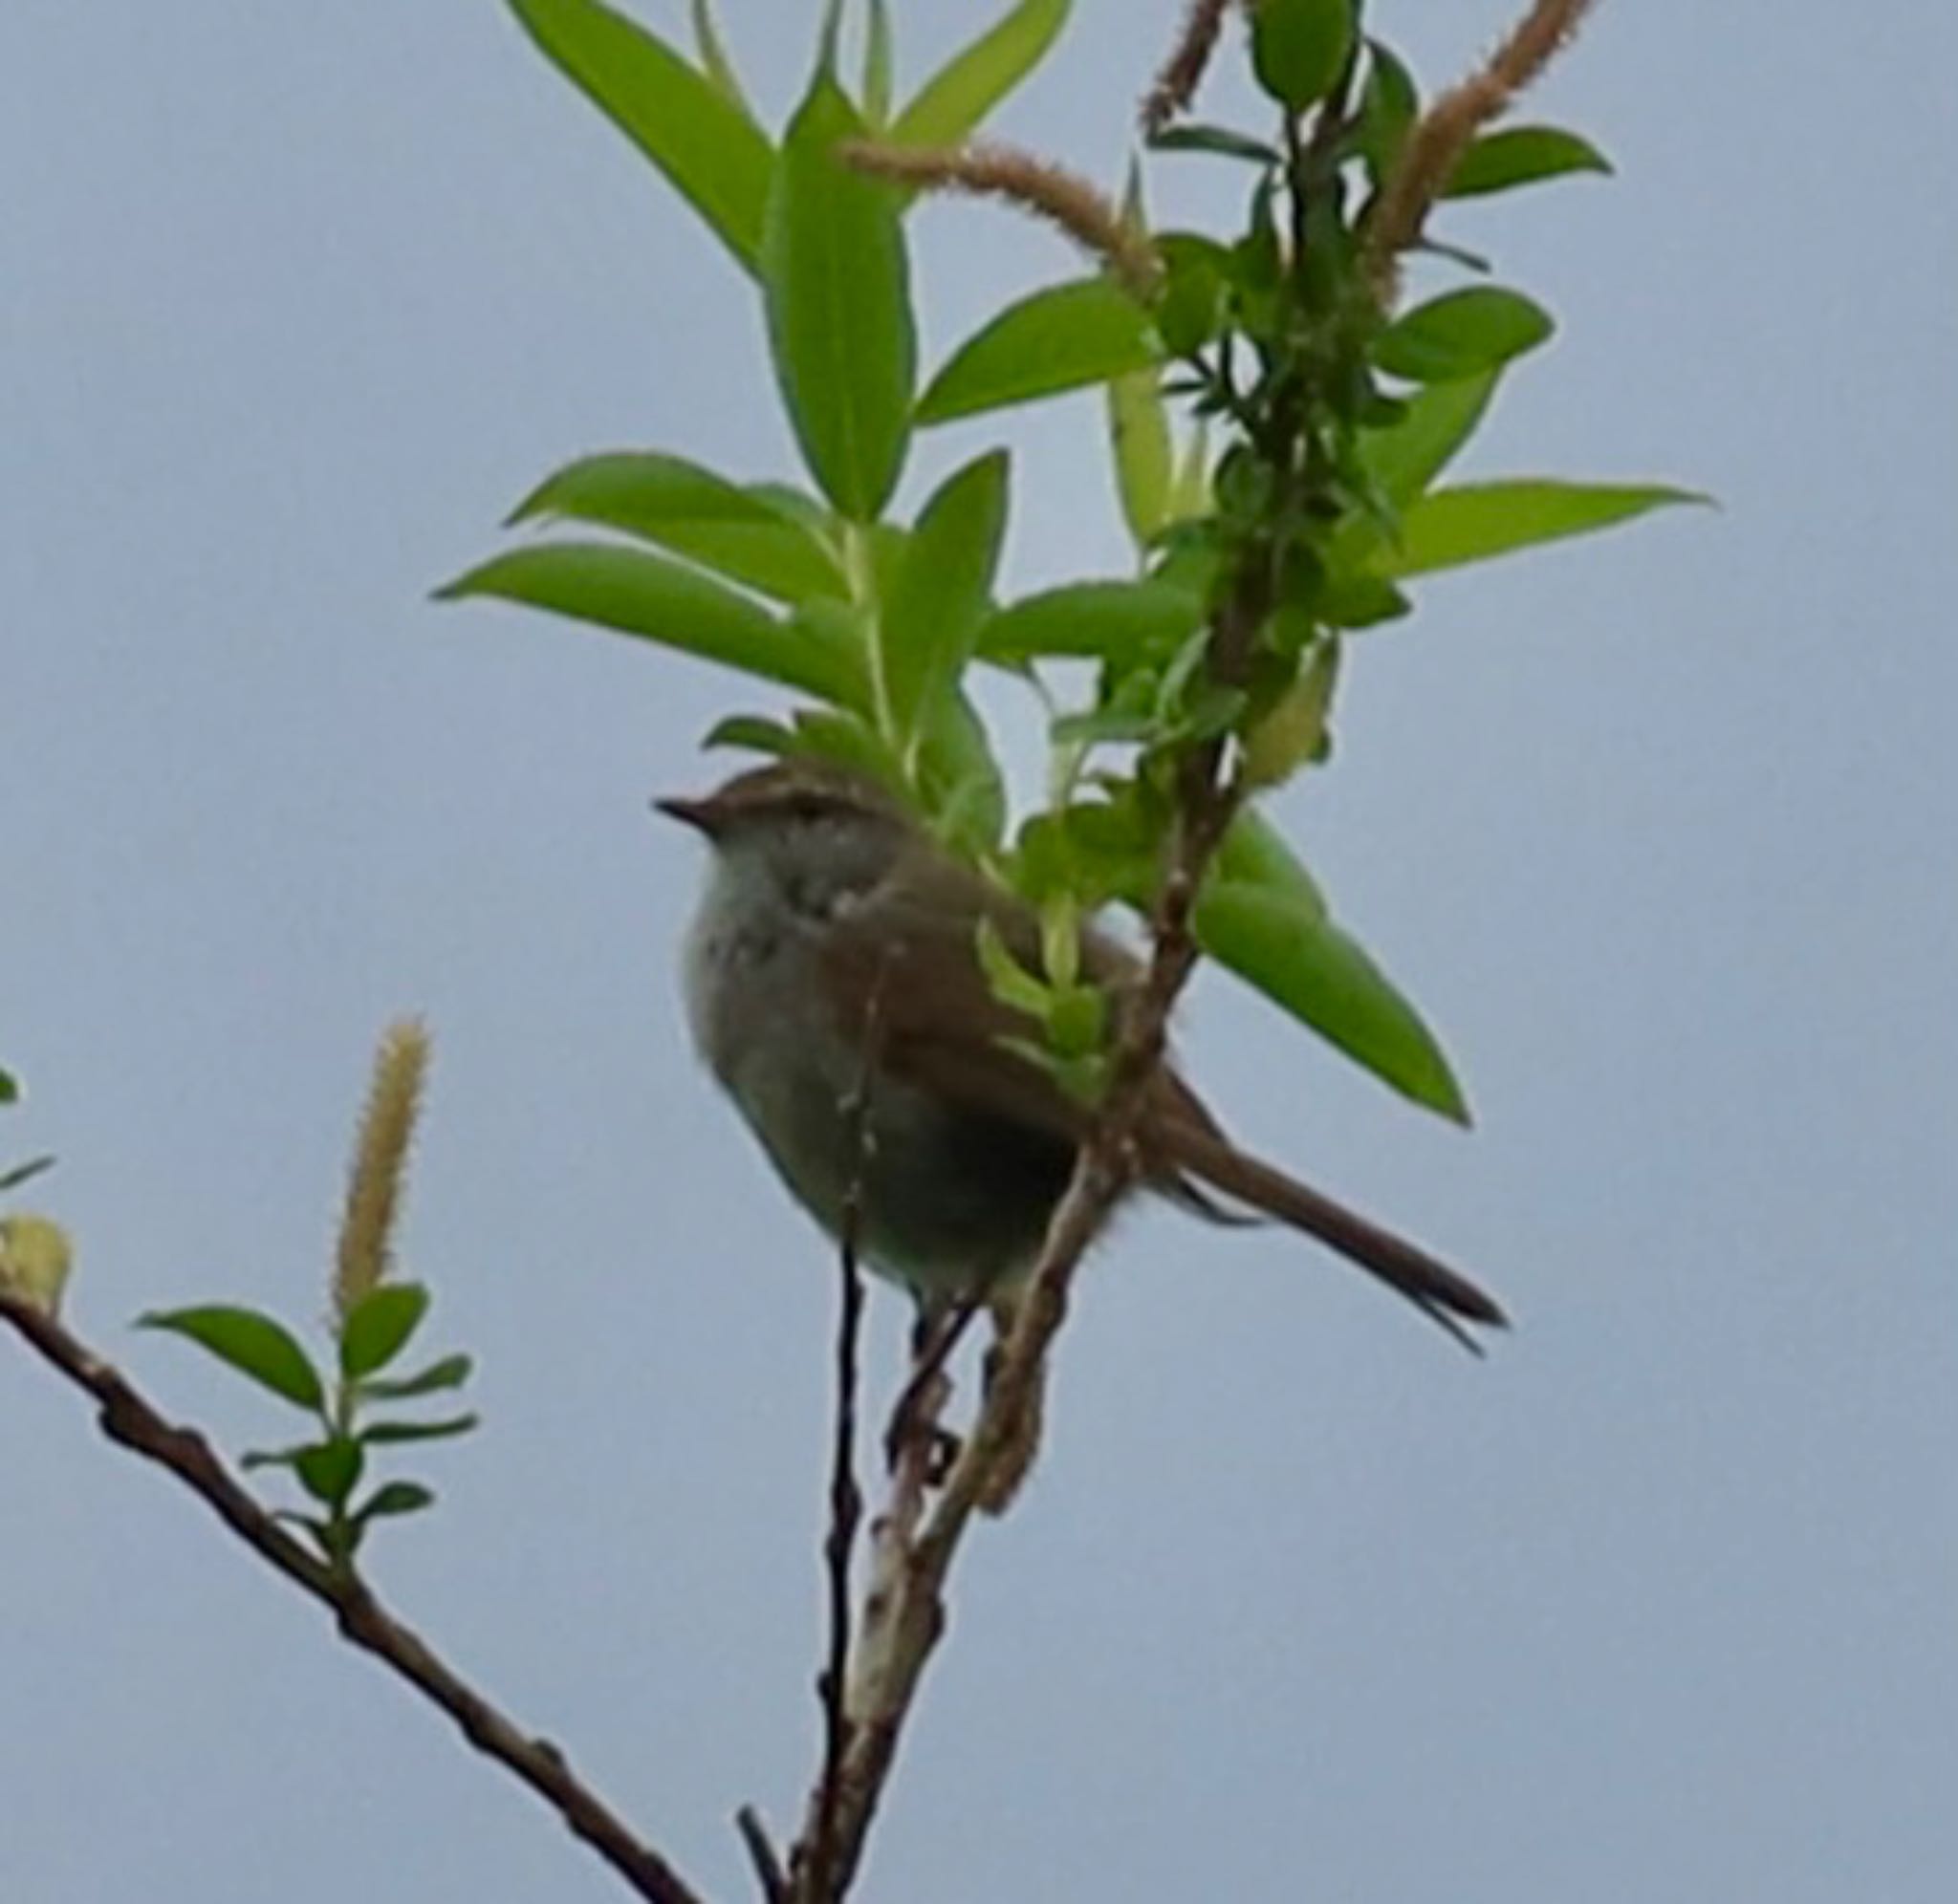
x,y
904,1608
811,1858
761,1854
128,1419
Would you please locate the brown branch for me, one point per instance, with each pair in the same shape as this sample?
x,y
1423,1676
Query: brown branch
x,y
761,1854
1037,185
811,1860
1180,76
128,1419
1443,134
838,1548
904,1612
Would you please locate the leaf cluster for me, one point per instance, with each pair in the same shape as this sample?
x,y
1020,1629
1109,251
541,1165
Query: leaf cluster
x,y
1277,441
345,1402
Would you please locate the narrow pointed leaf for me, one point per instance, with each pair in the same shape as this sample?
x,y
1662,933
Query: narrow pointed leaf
x,y
959,96
1219,140
379,1327
1406,456
963,778
1255,853
638,594
838,290
388,1434
1114,621
1310,966
709,151
751,732
932,616
1144,454
1461,333
744,535
451,1371
878,65
1449,528
253,1459
1190,494
397,1497
1520,155
1389,103
13,1179
714,58
252,1343
1060,339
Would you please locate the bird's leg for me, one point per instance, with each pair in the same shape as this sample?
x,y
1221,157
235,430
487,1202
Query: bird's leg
x,y
936,1331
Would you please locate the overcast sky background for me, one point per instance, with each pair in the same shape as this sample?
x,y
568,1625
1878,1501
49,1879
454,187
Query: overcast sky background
x,y
1661,1602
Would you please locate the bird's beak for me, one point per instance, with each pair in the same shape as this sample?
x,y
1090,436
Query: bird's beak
x,y
703,816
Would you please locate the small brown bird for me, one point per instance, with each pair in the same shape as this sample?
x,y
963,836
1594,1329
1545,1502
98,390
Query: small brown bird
x,y
824,895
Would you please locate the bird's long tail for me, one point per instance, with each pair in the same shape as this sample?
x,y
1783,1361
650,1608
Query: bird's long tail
x,y
1442,1294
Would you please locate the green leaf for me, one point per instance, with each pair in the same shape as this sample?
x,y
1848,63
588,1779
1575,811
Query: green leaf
x,y
1360,601
451,1371
1115,727
1298,48
1480,520
1390,104
1406,456
1461,333
397,1497
1144,454
1197,274
638,594
1187,135
711,153
380,1325
1011,983
1190,495
330,1470
9,1090
1254,852
387,1434
851,742
20,1173
1056,339
1307,964
1297,731
1092,851
252,1343
714,60
747,536
975,79
253,1459
877,64
751,732
1519,155
930,619
838,290
1113,620
962,778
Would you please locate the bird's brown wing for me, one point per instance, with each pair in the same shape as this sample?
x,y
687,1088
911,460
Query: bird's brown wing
x,y
909,946
902,968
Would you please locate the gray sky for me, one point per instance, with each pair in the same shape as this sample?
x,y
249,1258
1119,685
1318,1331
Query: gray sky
x,y
1657,1605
